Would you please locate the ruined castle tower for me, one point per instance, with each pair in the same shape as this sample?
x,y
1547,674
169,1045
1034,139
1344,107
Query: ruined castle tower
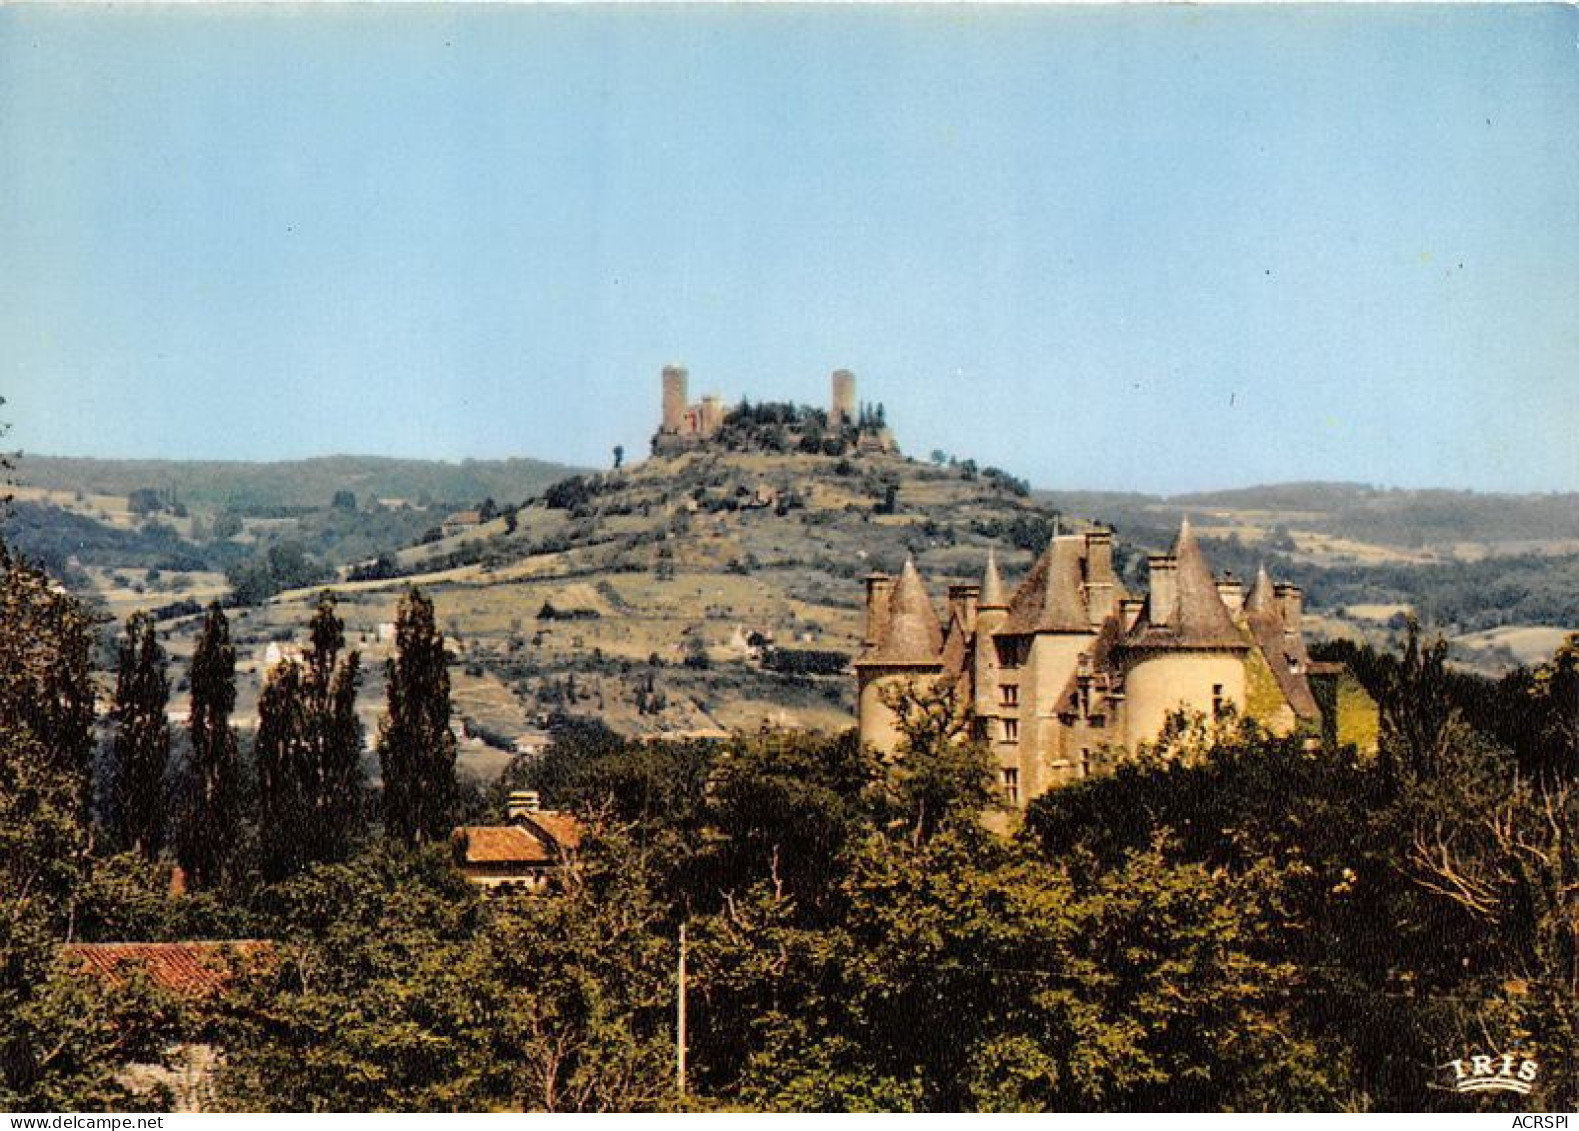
x,y
841,405
674,400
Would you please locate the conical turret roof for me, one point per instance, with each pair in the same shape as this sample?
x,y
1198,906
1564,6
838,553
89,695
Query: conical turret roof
x,y
1050,599
1282,644
992,594
1198,619
1262,596
912,634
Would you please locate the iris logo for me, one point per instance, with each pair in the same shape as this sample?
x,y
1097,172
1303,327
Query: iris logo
x,y
1505,1073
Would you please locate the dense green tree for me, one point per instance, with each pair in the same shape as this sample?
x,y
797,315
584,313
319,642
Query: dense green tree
x,y
416,748
210,790
374,1002
397,989
140,748
61,1038
939,777
308,752
46,680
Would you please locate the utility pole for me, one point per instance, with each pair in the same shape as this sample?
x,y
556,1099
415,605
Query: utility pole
x,y
679,1021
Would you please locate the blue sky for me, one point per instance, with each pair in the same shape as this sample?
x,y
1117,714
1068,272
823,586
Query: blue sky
x,y
1161,248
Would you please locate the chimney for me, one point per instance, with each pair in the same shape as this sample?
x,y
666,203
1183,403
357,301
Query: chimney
x,y
879,586
1099,575
1129,611
522,802
1291,604
1164,587
962,601
1232,592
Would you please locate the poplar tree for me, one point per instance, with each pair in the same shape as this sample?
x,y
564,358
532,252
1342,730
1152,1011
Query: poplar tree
x,y
210,788
416,749
309,752
140,750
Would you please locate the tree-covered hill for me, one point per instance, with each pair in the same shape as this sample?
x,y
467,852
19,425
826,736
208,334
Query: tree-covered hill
x,y
243,486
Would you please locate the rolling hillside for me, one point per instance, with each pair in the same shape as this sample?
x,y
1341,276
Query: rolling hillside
x,y
720,589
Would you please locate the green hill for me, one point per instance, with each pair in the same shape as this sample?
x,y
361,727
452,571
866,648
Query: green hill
x,y
236,485
720,588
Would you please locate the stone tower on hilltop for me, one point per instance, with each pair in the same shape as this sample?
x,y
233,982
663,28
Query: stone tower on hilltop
x,y
685,425
1068,673
841,401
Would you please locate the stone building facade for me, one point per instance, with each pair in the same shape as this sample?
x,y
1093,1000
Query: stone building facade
x,y
1062,676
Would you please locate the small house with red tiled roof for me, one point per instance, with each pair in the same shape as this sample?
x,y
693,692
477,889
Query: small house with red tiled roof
x,y
525,853
192,971
460,522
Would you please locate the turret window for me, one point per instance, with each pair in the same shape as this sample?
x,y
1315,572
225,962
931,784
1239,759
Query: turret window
x,y
1011,730
1011,694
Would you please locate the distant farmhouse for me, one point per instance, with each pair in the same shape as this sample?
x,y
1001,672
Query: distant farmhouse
x,y
1071,670
844,426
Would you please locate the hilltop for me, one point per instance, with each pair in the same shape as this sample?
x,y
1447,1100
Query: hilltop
x,y
718,587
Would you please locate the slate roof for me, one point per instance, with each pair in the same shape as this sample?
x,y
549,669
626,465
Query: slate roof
x,y
1050,598
992,591
196,969
1199,620
956,648
911,633
1282,644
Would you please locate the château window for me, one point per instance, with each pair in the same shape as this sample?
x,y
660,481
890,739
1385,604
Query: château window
x,y
1011,694
1217,700
1009,653
1011,730
1011,786
1085,761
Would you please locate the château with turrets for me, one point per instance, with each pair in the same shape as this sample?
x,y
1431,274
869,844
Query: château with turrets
x,y
1063,675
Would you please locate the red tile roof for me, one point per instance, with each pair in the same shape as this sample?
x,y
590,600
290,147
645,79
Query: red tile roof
x,y
538,838
562,827
502,844
191,969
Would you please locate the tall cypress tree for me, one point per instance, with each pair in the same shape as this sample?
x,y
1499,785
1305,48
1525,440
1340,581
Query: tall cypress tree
x,y
210,787
309,752
140,750
416,749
